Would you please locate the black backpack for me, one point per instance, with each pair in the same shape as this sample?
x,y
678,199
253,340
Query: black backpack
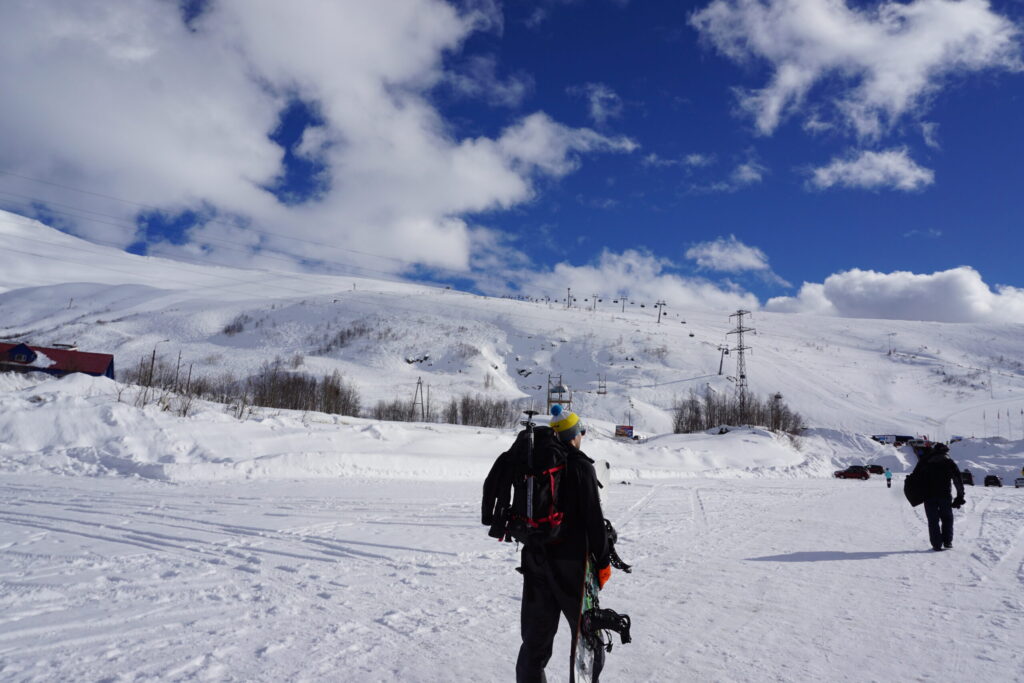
x,y
521,492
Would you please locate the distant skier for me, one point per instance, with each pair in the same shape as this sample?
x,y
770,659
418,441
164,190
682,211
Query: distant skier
x,y
553,571
929,482
888,478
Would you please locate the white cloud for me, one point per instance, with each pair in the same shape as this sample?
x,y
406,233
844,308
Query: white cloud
x,y
729,255
930,133
955,295
653,159
810,299
538,143
750,172
124,100
698,160
642,277
692,160
478,78
603,102
869,170
931,233
886,61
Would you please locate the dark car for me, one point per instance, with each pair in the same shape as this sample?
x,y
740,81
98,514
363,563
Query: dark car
x,y
967,477
876,469
852,472
993,480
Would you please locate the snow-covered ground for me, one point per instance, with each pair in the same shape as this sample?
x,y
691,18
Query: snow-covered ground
x,y
137,544
124,579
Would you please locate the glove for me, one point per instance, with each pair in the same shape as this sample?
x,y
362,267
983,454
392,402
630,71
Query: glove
x,y
603,575
958,501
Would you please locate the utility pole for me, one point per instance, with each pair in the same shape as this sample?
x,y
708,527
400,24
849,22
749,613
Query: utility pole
x,y
661,307
892,343
741,362
418,398
568,297
594,305
624,303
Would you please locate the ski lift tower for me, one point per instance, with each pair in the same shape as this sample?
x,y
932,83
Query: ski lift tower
x,y
741,363
558,393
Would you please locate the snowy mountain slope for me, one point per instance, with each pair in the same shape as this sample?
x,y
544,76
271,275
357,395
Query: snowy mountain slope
x,y
944,379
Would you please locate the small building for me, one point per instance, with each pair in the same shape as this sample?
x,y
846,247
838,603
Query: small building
x,y
57,362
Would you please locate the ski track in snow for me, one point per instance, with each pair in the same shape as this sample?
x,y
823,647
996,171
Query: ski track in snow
x,y
734,580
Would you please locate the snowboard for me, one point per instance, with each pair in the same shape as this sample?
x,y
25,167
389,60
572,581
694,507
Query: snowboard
x,y
587,649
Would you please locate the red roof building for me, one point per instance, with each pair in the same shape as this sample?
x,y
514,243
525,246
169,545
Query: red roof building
x,y
56,362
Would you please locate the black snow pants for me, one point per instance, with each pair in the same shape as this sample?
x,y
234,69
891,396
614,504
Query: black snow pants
x,y
552,585
940,520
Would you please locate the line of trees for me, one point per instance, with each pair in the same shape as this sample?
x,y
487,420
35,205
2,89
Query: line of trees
x,y
274,385
700,412
475,410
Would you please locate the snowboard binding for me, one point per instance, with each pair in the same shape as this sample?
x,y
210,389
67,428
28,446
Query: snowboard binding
x,y
597,619
616,561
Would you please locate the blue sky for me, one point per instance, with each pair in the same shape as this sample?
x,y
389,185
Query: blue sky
x,y
798,155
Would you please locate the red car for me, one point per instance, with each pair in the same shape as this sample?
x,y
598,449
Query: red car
x,y
853,472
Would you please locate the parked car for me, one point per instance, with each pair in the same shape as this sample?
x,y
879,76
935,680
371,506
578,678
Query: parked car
x,y
993,480
852,472
876,469
1018,482
967,477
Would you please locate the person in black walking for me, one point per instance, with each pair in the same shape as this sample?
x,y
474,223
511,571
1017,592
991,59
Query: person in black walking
x,y
932,476
553,567
553,573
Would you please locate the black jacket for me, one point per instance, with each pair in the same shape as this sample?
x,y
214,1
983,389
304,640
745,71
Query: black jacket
x,y
580,501
934,473
583,522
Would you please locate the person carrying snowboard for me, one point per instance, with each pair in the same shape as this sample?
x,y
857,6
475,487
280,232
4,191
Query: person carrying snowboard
x,y
888,478
553,568
930,480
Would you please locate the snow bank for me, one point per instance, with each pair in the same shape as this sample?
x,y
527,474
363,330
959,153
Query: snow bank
x,y
88,426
